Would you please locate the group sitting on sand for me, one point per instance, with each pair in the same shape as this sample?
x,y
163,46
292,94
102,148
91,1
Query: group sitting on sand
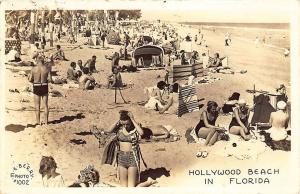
x,y
168,104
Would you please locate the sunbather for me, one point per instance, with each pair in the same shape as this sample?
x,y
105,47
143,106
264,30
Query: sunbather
x,y
206,128
86,81
91,64
115,79
239,122
216,61
40,76
71,73
172,104
279,122
50,177
128,132
154,95
59,54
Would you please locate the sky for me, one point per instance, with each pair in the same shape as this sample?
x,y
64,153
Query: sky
x,y
224,11
273,11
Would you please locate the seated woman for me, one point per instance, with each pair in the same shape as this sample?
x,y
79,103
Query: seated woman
x,y
154,95
231,102
86,81
173,101
239,122
115,79
206,128
278,122
50,177
216,61
128,133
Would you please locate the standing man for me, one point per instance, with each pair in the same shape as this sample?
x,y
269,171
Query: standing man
x,y
40,76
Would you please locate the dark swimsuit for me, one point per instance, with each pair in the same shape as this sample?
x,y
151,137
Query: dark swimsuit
x,y
243,118
202,124
126,159
40,89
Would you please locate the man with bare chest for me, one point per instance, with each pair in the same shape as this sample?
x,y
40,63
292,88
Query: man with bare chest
x,y
40,76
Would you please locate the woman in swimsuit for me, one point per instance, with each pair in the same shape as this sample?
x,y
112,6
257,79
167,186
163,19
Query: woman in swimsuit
x,y
239,122
206,128
128,133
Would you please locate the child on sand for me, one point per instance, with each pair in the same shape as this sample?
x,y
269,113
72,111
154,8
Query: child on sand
x,y
50,177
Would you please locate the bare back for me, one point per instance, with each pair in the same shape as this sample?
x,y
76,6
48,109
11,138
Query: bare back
x,y
279,119
40,74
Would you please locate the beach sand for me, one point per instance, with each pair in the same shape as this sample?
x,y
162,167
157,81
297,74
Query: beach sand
x,y
78,110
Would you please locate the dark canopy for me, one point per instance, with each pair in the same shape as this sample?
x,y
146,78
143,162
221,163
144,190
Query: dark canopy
x,y
148,50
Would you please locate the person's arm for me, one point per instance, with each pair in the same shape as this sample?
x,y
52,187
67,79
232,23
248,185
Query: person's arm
x,y
136,125
113,127
49,75
91,78
169,104
87,62
271,120
30,76
237,117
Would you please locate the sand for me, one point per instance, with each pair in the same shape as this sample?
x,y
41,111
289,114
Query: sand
x,y
78,110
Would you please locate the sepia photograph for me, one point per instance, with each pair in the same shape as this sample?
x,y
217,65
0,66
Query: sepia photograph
x,y
149,95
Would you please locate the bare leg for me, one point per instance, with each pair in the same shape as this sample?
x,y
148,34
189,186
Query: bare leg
x,y
37,105
132,176
123,176
209,136
236,130
213,139
46,111
87,84
147,183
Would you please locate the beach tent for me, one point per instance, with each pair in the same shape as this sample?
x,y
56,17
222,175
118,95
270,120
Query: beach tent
x,y
143,55
148,39
113,38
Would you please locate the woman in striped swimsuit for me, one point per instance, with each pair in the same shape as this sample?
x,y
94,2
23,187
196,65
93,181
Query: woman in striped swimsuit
x,y
128,133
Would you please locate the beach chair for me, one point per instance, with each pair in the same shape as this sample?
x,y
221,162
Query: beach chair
x,y
188,100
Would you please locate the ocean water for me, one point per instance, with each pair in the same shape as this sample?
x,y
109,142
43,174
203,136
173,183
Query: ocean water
x,y
242,25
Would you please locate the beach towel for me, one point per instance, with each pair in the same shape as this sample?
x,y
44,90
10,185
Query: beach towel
x,y
188,101
110,150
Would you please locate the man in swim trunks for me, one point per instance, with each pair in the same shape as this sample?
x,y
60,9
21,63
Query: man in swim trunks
x,y
40,76
91,64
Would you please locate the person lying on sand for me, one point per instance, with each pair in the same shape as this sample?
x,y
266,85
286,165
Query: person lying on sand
x,y
206,128
86,81
239,122
128,132
59,54
40,76
172,103
50,177
154,95
230,103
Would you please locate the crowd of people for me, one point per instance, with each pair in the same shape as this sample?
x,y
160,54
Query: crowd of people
x,y
163,98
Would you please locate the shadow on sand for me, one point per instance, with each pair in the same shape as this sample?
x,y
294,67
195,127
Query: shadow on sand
x,y
68,118
154,173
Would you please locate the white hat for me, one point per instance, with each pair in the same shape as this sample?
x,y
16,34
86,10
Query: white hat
x,y
281,105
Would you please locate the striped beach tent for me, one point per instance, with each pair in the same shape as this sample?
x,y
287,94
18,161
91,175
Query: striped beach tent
x,y
188,101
